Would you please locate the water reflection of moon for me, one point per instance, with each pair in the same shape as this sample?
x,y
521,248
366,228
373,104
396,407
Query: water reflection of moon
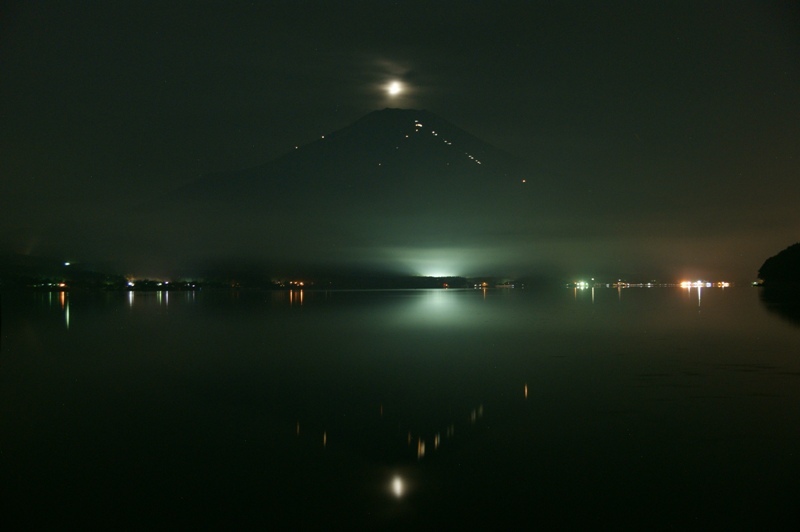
x,y
397,486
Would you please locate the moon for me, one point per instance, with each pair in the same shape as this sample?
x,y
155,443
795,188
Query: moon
x,y
394,88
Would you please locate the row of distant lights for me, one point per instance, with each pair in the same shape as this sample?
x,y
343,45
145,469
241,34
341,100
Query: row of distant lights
x,y
132,284
704,284
583,285
418,126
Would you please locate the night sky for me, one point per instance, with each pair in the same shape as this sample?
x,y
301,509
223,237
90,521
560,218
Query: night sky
x,y
667,133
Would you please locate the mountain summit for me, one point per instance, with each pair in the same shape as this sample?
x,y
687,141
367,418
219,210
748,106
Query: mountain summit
x,y
393,150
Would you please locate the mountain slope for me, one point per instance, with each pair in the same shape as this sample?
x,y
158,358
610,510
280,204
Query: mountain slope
x,y
393,181
393,150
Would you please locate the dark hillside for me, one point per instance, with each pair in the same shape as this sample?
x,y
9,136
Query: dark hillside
x,y
783,269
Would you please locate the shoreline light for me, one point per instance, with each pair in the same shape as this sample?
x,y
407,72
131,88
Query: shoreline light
x,y
704,284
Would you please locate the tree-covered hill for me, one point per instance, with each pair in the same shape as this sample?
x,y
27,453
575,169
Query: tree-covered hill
x,y
783,269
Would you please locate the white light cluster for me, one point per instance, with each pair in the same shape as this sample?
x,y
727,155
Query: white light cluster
x,y
704,284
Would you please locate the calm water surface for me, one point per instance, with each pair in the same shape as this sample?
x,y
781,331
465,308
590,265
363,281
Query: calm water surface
x,y
657,407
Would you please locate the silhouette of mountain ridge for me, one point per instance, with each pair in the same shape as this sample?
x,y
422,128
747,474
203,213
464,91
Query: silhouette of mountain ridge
x,y
387,151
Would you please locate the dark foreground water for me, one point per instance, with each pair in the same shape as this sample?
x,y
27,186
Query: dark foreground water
x,y
653,407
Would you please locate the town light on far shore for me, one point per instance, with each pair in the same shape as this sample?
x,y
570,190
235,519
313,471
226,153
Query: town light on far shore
x,y
704,284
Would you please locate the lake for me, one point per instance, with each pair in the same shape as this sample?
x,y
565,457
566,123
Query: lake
x,y
647,407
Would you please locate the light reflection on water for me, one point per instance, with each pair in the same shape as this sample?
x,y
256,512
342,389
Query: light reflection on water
x,y
232,400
